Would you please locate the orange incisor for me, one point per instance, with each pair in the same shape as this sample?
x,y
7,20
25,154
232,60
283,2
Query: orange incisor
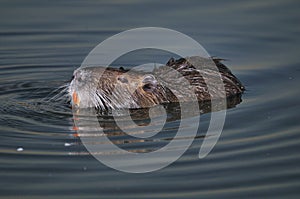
x,y
75,98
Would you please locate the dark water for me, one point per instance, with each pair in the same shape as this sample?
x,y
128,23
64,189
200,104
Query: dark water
x,y
257,155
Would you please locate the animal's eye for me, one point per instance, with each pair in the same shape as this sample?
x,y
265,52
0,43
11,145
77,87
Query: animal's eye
x,y
148,87
150,83
122,79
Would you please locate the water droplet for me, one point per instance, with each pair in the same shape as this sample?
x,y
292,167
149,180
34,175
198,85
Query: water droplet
x,y
68,144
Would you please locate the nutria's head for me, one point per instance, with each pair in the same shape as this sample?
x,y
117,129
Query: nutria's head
x,y
179,81
106,88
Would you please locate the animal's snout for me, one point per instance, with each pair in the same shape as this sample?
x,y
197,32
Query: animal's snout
x,y
78,76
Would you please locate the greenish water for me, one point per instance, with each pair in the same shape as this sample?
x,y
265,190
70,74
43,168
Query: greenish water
x,y
257,155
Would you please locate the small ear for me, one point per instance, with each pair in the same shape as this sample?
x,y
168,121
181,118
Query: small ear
x,y
171,62
149,79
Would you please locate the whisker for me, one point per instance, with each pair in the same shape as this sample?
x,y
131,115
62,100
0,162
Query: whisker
x,y
54,96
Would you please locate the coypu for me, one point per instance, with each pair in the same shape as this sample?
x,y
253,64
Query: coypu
x,y
112,88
